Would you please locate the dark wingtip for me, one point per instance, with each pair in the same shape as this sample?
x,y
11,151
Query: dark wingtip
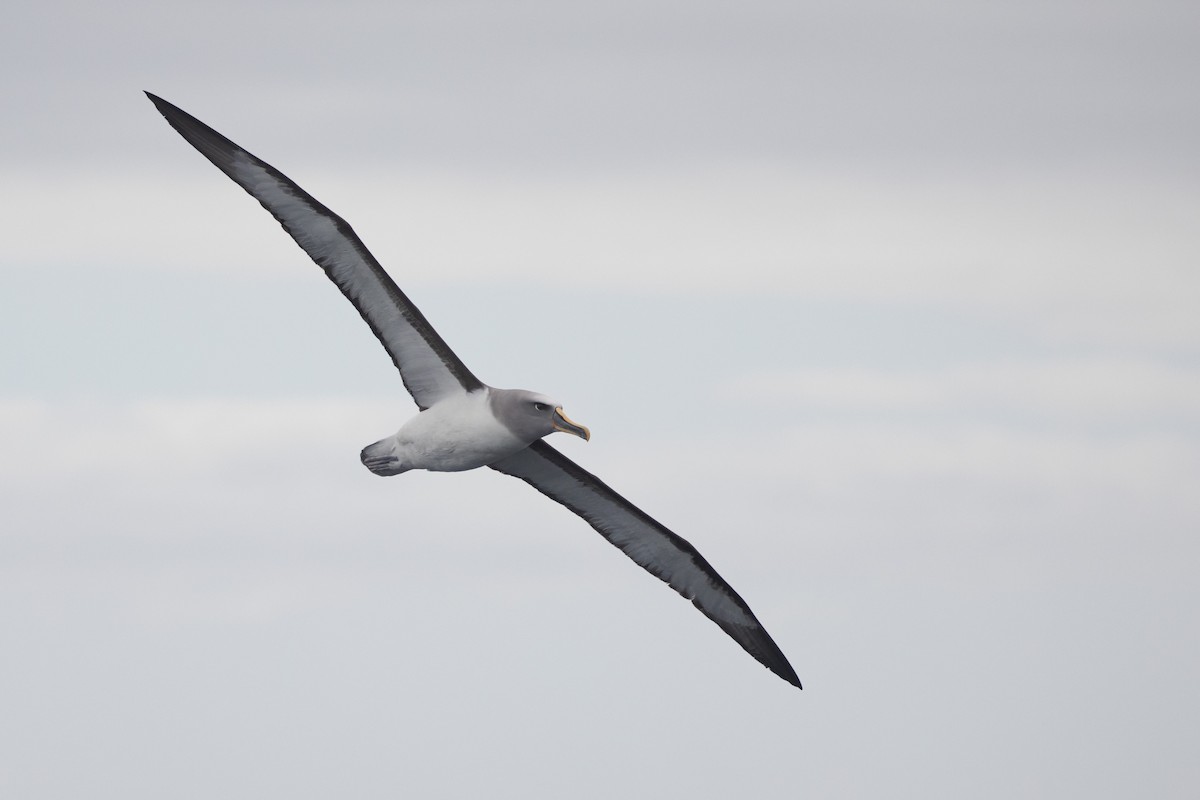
x,y
218,149
180,120
158,101
783,669
769,655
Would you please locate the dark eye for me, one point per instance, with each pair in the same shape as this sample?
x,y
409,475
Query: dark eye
x,y
541,406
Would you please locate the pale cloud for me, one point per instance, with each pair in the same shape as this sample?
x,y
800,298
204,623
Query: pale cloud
x,y
851,464
146,437
289,445
1103,261
1081,391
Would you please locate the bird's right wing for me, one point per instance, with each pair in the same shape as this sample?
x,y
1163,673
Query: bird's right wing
x,y
662,553
429,368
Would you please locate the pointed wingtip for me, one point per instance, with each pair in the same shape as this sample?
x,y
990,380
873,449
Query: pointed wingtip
x,y
163,106
771,657
788,674
758,643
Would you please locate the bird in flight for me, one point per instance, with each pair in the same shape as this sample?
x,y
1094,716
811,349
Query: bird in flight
x,y
463,423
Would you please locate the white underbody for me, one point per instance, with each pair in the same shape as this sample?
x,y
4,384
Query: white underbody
x,y
453,435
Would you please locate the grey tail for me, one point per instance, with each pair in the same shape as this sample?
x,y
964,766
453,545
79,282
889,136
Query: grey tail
x,y
381,459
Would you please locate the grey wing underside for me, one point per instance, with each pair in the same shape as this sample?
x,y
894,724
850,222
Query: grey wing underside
x,y
662,553
429,368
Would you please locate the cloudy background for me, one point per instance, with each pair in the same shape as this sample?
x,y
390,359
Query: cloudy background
x,y
890,309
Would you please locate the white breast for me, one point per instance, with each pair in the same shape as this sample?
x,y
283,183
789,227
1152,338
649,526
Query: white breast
x,y
456,434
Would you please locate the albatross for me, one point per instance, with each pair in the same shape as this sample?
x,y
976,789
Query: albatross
x,y
462,423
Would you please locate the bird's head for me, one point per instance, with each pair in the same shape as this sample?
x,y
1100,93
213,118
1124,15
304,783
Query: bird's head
x,y
531,416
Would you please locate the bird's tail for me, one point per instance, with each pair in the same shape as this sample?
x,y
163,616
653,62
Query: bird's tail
x,y
381,457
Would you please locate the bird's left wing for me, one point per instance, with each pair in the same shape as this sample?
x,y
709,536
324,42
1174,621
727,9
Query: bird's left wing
x,y
429,368
662,553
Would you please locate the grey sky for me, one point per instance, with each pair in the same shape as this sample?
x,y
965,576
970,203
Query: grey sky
x,y
536,84
890,310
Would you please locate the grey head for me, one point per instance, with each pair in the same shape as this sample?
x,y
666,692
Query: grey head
x,y
530,415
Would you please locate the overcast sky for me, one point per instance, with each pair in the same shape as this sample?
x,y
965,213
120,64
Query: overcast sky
x,y
891,310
